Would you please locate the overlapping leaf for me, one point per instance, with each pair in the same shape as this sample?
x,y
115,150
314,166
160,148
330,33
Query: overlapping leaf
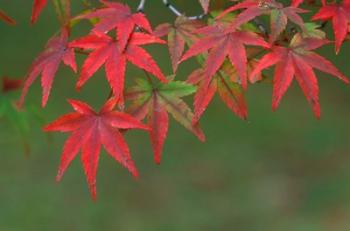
x,y
226,84
91,130
182,32
278,13
298,60
155,101
296,3
230,93
47,63
108,51
223,43
118,16
339,14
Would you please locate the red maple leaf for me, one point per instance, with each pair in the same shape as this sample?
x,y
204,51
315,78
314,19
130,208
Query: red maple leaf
x,y
38,6
296,3
156,100
108,51
222,43
118,16
90,130
47,64
278,13
340,16
298,60
182,32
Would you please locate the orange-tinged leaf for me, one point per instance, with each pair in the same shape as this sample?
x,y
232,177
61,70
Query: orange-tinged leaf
x,y
225,43
158,120
230,93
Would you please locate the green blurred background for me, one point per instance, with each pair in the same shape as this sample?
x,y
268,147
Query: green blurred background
x,y
277,171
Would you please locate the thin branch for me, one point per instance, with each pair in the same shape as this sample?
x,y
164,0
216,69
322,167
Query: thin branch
x,y
173,9
323,25
141,6
260,26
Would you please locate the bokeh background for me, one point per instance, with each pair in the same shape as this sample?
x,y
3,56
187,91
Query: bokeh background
x,y
277,171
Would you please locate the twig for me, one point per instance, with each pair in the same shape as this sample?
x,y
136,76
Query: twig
x,y
260,26
323,25
141,6
173,9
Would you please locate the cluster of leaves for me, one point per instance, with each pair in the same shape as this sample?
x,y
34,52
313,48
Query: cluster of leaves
x,y
232,47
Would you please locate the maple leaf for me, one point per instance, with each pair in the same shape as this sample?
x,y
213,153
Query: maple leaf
x,y
107,51
156,100
222,43
226,84
182,32
340,15
278,13
296,3
118,16
38,6
230,93
90,130
205,5
298,60
7,19
47,64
